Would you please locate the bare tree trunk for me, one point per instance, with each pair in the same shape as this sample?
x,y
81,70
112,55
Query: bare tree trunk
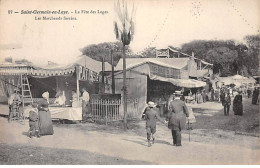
x,y
124,89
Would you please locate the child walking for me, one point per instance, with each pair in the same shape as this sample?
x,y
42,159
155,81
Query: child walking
x,y
34,121
151,115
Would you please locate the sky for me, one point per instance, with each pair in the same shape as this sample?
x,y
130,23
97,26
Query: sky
x,y
157,24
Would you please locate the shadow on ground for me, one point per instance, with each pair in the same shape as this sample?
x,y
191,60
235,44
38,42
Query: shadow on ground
x,y
17,154
3,115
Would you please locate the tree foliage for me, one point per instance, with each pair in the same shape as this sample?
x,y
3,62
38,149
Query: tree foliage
x,y
149,52
103,51
221,55
253,54
201,47
222,58
228,56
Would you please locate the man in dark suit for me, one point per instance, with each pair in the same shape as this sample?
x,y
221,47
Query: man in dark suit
x,y
226,103
151,114
177,118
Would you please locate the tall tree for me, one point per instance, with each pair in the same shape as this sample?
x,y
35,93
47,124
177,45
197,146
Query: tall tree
x,y
101,51
149,52
242,64
105,52
124,31
222,57
253,59
201,47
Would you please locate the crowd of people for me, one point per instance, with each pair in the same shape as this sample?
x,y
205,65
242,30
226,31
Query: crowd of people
x,y
40,122
178,112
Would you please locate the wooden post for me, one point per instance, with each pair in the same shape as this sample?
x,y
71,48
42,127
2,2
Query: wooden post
x,y
124,89
103,70
77,73
113,73
106,104
77,91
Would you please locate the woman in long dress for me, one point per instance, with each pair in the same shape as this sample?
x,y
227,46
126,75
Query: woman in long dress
x,y
255,96
237,104
199,98
45,122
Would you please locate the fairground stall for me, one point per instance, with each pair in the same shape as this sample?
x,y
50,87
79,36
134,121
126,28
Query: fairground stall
x,y
64,82
152,79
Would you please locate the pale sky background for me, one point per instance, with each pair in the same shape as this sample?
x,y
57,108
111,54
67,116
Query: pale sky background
x,y
158,23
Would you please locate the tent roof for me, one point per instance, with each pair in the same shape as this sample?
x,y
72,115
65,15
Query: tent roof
x,y
51,70
54,67
177,63
92,64
84,61
187,83
236,79
239,77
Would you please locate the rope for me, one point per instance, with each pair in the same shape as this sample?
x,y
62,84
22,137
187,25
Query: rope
x,y
159,30
243,18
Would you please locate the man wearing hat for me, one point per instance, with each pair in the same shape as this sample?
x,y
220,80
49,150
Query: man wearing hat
x,y
178,112
151,114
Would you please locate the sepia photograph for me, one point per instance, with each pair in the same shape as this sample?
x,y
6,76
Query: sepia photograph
x,y
129,82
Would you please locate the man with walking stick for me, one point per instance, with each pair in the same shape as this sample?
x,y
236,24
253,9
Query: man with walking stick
x,y
178,112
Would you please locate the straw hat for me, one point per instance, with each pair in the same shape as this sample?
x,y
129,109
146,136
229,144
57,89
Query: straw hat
x,y
177,93
151,104
46,95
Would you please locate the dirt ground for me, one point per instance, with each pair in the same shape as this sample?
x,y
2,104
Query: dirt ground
x,y
215,139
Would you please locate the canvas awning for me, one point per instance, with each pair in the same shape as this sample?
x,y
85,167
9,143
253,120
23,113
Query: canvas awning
x,y
238,80
187,83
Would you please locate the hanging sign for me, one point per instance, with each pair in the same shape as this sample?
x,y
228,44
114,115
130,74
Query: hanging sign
x,y
163,71
86,74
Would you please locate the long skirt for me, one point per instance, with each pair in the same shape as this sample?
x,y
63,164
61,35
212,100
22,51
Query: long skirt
x,y
45,123
199,98
238,108
191,119
86,113
255,97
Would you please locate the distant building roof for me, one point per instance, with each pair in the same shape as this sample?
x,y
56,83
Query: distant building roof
x,y
177,63
8,64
